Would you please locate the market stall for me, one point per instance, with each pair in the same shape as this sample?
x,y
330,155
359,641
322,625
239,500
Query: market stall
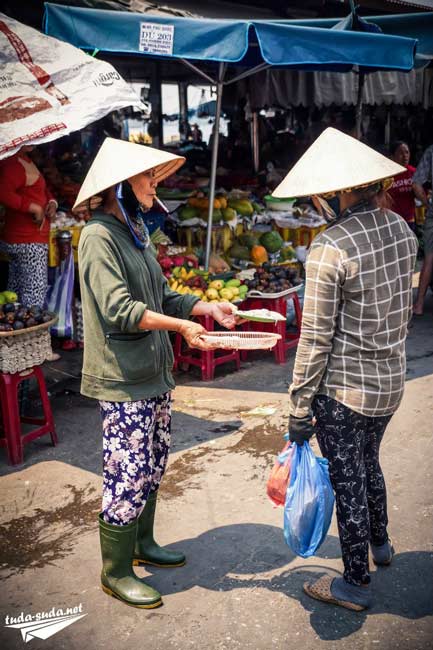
x,y
210,47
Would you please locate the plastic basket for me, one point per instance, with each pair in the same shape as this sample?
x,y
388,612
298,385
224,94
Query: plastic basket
x,y
242,340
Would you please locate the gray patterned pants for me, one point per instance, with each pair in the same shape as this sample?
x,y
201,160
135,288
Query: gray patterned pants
x,y
350,441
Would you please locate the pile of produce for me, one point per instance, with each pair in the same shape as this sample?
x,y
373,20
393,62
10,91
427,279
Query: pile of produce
x,y
224,208
257,247
170,262
273,279
189,261
197,283
16,317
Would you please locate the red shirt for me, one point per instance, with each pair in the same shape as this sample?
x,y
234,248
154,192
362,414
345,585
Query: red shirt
x,y
403,198
21,183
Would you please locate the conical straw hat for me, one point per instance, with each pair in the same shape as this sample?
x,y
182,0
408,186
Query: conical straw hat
x,y
118,160
335,161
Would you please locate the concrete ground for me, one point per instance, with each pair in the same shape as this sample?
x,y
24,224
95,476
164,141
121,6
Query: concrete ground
x,y
242,586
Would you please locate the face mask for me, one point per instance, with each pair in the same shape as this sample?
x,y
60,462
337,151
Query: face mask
x,y
330,207
130,208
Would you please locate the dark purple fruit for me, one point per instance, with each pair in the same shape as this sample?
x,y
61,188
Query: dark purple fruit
x,y
10,317
9,307
18,325
21,314
46,317
31,322
5,327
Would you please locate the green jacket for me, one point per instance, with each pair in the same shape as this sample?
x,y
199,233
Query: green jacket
x,y
118,282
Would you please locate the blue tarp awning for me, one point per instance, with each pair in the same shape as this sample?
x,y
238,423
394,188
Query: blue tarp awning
x,y
250,43
419,26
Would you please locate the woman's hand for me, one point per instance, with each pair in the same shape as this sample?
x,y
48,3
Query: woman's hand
x,y
222,312
38,212
191,332
51,209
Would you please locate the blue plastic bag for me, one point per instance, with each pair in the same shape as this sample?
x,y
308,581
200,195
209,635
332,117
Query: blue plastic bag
x,y
309,502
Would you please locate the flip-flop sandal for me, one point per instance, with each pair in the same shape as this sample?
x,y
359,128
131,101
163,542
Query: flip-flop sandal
x,y
321,590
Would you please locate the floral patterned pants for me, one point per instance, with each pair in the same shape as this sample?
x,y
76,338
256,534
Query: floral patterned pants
x,y
136,444
351,442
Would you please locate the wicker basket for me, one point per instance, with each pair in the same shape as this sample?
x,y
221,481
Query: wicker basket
x,y
25,348
242,340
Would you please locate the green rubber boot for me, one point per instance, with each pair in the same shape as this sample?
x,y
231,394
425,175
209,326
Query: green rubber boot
x,y
117,577
147,551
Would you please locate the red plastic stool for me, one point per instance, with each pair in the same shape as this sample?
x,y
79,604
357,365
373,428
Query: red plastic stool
x,y
288,339
207,361
13,440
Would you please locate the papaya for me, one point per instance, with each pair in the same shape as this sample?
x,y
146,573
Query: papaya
x,y
223,201
187,212
239,252
248,239
217,215
259,255
242,207
228,214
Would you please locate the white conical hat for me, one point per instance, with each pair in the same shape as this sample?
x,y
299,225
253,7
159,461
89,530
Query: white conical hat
x,y
118,160
335,161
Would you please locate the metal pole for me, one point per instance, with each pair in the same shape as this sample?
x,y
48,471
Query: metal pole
x,y
214,161
156,102
183,110
358,113
255,141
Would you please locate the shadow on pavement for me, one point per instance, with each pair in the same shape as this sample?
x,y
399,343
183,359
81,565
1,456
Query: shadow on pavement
x,y
79,429
233,557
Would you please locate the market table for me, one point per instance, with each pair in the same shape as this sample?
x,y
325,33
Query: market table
x,y
278,303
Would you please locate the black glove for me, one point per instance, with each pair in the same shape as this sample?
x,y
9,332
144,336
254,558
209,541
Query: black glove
x,y
300,429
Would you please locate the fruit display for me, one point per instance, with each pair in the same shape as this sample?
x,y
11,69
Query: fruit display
x,y
16,317
259,248
225,208
198,283
273,279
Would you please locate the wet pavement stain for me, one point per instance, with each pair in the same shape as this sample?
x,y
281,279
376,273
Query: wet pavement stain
x,y
180,474
263,441
42,538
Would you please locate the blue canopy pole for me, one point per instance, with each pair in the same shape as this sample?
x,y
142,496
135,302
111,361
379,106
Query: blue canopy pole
x,y
358,110
216,132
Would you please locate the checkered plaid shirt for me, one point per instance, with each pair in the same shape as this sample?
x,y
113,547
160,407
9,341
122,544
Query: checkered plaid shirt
x,y
424,174
358,300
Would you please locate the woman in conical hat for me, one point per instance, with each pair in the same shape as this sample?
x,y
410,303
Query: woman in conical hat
x,y
128,310
350,362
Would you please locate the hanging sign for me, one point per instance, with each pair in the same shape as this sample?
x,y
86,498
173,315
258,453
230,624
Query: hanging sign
x,y
156,39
